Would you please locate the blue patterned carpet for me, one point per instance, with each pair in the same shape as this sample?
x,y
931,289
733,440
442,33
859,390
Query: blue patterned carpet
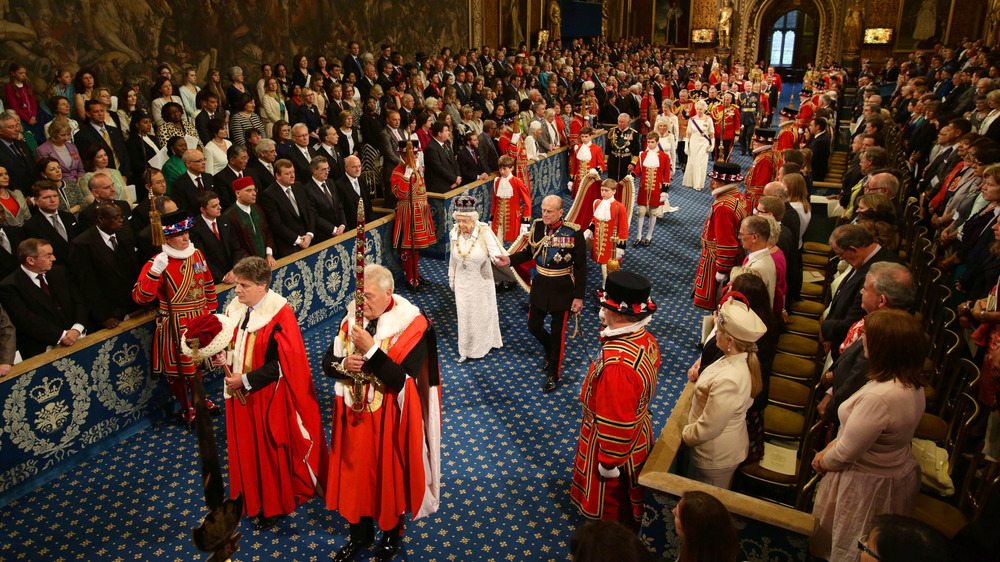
x,y
507,447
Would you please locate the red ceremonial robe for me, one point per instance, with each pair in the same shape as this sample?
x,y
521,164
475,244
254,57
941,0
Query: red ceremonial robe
x,y
414,227
277,448
578,168
651,180
511,212
386,461
719,245
609,234
788,137
765,168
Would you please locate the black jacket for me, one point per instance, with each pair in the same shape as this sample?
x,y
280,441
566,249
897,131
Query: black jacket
x,y
221,253
88,135
104,275
440,169
349,199
185,192
41,318
287,225
39,226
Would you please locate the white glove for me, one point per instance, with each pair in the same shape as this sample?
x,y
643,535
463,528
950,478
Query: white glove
x,y
408,172
646,122
159,263
663,198
629,177
569,185
451,284
587,235
593,172
515,137
619,253
720,277
605,473
525,228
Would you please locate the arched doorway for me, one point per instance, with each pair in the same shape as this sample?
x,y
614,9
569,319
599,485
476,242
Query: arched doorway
x,y
790,40
758,17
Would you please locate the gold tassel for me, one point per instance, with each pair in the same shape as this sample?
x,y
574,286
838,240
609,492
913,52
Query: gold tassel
x,y
613,265
156,229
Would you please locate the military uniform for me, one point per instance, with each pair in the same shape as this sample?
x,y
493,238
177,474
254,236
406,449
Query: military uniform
x,y
727,123
749,103
623,152
559,253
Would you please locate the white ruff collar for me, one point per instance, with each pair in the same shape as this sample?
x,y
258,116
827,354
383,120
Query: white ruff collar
x,y
178,254
630,329
504,189
261,315
583,153
720,190
603,210
652,160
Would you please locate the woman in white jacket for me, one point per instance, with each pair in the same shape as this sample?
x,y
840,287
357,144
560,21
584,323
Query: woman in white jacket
x,y
717,428
272,108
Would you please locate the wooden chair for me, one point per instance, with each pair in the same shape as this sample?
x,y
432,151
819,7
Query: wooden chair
x,y
782,488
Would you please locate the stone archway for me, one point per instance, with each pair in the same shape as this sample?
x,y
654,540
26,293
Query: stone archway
x,y
753,12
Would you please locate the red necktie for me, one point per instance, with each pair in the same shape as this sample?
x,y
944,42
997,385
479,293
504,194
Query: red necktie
x,y
43,285
216,231
201,186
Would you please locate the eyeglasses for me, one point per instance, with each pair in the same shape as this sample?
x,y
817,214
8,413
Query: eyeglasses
x,y
864,548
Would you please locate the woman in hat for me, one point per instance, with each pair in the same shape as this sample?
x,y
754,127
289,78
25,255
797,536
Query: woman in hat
x,y
717,427
699,144
178,280
470,275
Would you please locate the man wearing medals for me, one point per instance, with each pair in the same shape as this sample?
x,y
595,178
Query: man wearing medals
x,y
608,228
623,149
727,124
385,456
178,278
788,133
654,180
414,227
765,166
749,103
559,252
616,433
720,247
511,203
277,447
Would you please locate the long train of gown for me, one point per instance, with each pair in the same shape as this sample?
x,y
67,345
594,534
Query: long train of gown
x,y
471,277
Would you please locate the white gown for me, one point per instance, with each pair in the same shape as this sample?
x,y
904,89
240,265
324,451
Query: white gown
x,y
697,148
470,275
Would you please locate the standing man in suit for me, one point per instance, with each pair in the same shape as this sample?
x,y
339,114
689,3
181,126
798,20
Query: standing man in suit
x,y
388,145
328,149
323,197
440,167
222,182
209,104
298,152
820,147
262,171
15,154
42,301
856,246
470,165
55,226
289,213
214,236
349,192
249,223
352,63
104,265
103,189
489,151
189,185
407,113
96,131
10,237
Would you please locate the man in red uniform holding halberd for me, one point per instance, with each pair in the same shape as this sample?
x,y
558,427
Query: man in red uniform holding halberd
x,y
764,170
385,456
414,226
720,247
616,435
277,448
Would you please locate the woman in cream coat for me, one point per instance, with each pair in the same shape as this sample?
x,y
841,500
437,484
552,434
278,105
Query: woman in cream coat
x,y
272,108
717,428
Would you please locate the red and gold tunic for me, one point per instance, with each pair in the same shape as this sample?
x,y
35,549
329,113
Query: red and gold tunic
x,y
519,153
509,213
788,137
414,227
578,169
806,111
578,122
184,290
727,121
720,247
649,110
652,180
616,430
764,170
609,235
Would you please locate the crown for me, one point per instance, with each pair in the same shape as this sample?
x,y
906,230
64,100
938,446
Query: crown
x,y
126,356
465,203
47,390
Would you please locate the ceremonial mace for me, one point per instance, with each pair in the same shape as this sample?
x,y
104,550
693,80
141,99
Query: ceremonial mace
x,y
217,532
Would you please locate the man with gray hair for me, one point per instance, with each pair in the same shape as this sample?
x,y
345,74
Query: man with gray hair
x,y
298,152
855,245
262,171
192,183
887,285
15,155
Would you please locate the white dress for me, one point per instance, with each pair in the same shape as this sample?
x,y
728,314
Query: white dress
x,y
697,148
215,157
470,275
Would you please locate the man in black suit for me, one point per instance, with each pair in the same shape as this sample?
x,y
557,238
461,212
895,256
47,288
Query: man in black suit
x,y
470,165
10,237
213,235
349,191
262,171
104,265
327,148
96,131
385,76
330,220
440,167
407,113
103,189
15,155
223,181
352,63
298,151
820,147
336,103
489,150
58,227
855,245
41,300
209,104
190,184
288,211
776,204
388,145
367,82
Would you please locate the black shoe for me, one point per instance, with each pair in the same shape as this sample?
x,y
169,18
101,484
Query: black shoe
x,y
550,383
637,242
423,279
213,408
387,547
546,364
350,550
412,287
264,523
